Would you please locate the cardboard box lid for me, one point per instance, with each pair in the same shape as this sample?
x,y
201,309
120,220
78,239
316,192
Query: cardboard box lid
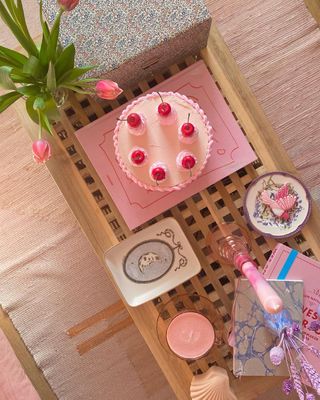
x,y
108,33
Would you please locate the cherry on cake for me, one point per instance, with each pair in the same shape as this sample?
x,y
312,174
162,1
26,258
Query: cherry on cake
x,y
163,141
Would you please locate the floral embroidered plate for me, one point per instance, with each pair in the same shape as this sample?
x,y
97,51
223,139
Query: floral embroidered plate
x,y
277,205
152,262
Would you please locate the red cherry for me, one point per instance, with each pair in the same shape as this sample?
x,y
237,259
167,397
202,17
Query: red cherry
x,y
188,162
158,174
137,157
134,120
187,129
164,109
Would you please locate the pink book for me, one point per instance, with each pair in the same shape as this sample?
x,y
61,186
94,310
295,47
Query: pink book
x,y
286,263
231,150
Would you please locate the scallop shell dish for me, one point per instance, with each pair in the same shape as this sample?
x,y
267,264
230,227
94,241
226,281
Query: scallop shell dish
x,y
212,385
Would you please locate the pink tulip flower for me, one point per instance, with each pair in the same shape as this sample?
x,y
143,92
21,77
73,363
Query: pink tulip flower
x,y
68,5
108,90
41,151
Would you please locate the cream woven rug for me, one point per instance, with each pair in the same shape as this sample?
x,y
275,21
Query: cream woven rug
x,y
49,278
50,281
276,45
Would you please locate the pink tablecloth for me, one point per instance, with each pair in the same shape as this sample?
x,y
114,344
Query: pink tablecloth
x,y
14,383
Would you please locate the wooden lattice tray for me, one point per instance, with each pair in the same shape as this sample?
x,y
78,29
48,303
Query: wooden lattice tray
x,y
197,215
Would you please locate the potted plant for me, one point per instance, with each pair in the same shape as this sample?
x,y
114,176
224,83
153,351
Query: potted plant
x,y
44,73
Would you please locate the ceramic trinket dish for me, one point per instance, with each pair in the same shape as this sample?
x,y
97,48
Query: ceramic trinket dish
x,y
152,262
277,204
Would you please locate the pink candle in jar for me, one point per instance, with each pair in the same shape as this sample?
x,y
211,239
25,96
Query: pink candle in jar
x,y
190,335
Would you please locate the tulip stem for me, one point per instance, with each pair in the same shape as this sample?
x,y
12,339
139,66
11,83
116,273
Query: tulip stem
x,y
40,125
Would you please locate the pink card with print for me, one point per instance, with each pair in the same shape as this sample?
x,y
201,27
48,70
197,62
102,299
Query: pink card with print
x,y
231,151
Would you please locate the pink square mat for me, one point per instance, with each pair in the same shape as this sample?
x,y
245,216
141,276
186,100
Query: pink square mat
x,y
231,151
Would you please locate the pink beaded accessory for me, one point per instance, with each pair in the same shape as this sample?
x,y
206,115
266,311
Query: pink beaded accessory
x,y
292,349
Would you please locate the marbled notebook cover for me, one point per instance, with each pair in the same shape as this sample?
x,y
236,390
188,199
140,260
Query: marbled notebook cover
x,y
253,341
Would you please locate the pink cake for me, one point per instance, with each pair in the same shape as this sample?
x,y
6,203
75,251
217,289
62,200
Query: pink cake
x,y
163,141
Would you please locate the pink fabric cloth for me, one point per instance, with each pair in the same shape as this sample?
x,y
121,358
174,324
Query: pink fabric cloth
x,y
14,383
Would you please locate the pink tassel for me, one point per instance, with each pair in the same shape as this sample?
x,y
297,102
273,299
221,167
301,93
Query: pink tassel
x,y
297,381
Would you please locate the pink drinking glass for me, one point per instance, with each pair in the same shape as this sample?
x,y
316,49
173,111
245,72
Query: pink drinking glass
x,y
232,245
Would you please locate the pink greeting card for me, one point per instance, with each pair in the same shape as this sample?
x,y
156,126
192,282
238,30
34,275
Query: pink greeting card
x,y
286,263
231,151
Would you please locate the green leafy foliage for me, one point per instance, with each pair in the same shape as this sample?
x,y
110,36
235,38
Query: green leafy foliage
x,y
5,80
12,56
51,78
34,68
44,70
7,99
65,62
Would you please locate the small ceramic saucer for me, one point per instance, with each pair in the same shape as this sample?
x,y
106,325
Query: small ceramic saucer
x,y
277,204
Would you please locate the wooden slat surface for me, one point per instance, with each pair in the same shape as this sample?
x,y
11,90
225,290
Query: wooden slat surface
x,y
314,8
254,124
103,225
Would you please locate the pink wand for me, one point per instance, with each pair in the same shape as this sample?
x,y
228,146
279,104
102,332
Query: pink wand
x,y
233,248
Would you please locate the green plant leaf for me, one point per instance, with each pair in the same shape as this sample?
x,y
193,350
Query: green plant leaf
x,y
5,79
34,68
76,88
31,112
20,77
17,58
45,123
71,76
54,36
88,82
43,55
65,61
17,14
51,110
59,50
22,19
8,63
51,78
39,103
25,42
10,5
29,90
45,28
7,99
